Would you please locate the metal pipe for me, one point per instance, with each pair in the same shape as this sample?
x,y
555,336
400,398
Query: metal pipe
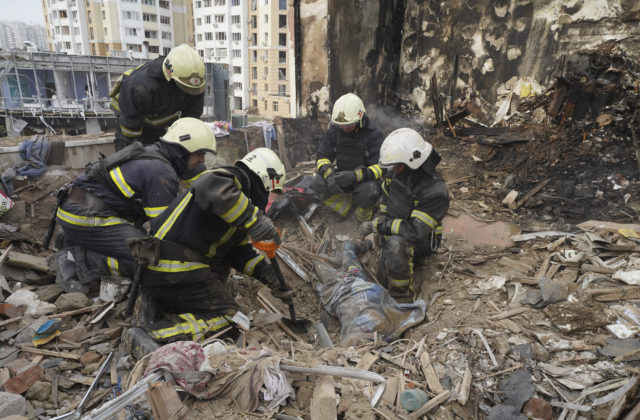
x,y
364,375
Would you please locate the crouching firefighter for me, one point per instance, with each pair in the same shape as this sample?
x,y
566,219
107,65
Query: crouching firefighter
x,y
116,195
414,201
202,234
353,143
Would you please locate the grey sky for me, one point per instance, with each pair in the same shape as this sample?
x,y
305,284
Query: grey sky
x,y
29,11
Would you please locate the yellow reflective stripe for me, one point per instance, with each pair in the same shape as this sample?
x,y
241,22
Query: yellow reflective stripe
x,y
161,120
152,212
327,173
236,211
339,203
113,265
251,265
188,183
377,171
439,230
214,246
253,219
375,224
321,162
114,103
395,226
359,175
192,325
363,215
175,266
424,218
399,282
130,133
118,179
166,226
244,241
89,221
383,208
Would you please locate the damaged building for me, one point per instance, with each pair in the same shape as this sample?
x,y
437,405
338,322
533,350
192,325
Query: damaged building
x,y
529,308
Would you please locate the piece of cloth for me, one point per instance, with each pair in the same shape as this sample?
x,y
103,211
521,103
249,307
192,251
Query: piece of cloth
x,y
268,132
34,152
363,307
146,104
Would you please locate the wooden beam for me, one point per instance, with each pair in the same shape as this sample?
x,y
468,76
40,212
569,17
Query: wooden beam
x,y
465,387
323,401
430,405
430,373
34,350
530,194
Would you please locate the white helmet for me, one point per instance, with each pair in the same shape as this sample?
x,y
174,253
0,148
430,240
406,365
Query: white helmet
x,y
404,145
186,68
267,165
347,110
191,134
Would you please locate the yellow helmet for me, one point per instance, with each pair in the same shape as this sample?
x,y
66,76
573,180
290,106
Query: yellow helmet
x,y
268,166
186,68
192,134
348,110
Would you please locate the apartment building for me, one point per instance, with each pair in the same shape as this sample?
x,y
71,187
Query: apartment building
x,y
19,35
120,28
221,39
271,58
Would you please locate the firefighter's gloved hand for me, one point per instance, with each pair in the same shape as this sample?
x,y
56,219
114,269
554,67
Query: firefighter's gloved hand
x,y
365,229
332,185
346,179
267,275
264,230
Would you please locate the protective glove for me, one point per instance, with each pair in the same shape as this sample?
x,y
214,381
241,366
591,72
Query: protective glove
x,y
365,229
267,275
332,185
264,230
346,179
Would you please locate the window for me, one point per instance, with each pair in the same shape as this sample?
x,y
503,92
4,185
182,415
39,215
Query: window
x,y
89,17
148,17
104,15
150,3
254,22
201,52
154,49
282,74
221,52
275,106
235,19
74,15
266,18
235,2
63,13
208,36
220,3
237,53
106,31
207,3
282,4
165,51
266,88
131,31
165,20
76,31
57,29
198,21
237,85
207,19
282,90
282,40
199,36
254,88
254,72
237,69
236,36
265,105
198,4
90,32
266,37
221,36
151,34
282,21
282,57
106,47
254,53
219,18
165,4
127,14
134,48
67,45
254,103
166,35
253,5
266,71
266,2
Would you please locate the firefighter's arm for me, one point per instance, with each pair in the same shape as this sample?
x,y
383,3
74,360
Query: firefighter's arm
x,y
326,155
192,176
373,171
195,107
244,258
134,102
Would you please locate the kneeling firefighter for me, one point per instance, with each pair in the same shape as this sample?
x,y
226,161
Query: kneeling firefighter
x,y
116,195
414,202
353,143
205,231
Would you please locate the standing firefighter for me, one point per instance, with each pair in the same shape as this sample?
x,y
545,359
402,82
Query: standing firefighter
x,y
149,98
110,202
414,201
353,143
204,232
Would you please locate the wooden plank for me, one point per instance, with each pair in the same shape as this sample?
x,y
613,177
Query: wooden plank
x,y
607,226
9,321
530,194
543,267
74,312
391,360
465,387
64,355
28,261
282,149
508,314
430,373
430,405
323,401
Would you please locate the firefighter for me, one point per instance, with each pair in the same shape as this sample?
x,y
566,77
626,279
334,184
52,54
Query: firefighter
x,y
202,234
353,143
414,201
115,196
150,97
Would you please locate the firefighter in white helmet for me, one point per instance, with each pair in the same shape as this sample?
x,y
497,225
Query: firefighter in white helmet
x,y
206,231
116,195
348,174
414,202
150,97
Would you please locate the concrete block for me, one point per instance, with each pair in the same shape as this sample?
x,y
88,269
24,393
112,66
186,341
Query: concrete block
x,y
12,404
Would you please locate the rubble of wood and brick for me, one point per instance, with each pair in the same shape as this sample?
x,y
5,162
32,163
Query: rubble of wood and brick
x,y
532,301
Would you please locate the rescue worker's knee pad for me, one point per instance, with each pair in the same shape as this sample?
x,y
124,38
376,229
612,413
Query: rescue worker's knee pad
x,y
364,215
340,204
366,194
397,255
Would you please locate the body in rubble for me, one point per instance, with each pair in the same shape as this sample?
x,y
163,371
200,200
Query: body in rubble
x,y
151,97
205,232
115,196
353,143
414,202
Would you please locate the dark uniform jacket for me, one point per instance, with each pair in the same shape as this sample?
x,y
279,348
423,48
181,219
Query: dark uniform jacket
x,y
136,190
147,103
413,204
211,219
351,151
